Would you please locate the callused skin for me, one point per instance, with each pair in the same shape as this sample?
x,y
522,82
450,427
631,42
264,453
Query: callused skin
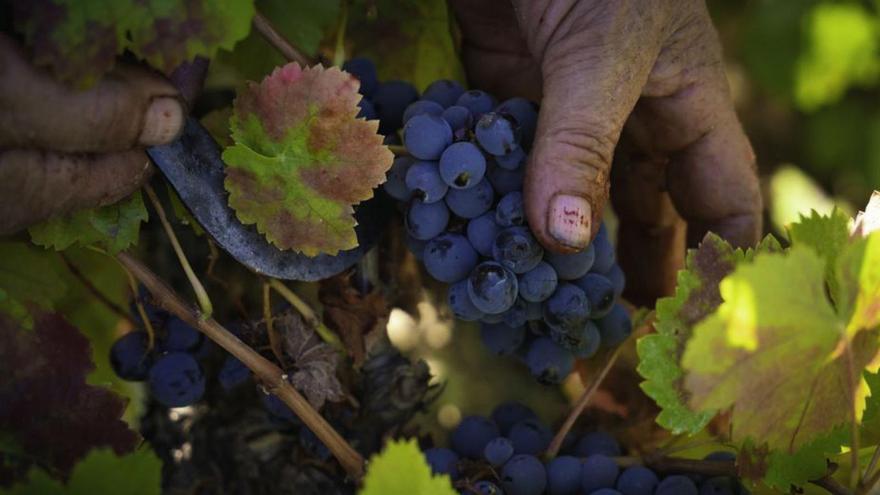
x,y
645,74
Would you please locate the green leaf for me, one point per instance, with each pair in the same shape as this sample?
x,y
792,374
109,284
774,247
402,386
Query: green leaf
x,y
301,159
858,284
140,473
781,470
871,417
696,296
113,227
827,235
409,40
843,50
29,276
777,335
401,469
79,39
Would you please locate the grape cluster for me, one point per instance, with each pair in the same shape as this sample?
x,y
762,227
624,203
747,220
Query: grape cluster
x,y
462,183
500,455
170,365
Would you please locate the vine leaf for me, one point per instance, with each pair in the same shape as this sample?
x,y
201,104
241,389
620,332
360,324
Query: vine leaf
x,y
113,227
696,296
79,40
48,408
27,281
302,159
826,235
777,335
401,469
782,469
358,318
314,361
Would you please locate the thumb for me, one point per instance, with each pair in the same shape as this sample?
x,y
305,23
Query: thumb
x,y
594,65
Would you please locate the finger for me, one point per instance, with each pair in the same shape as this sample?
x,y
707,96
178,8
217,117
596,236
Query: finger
x,y
689,116
34,185
130,106
650,235
594,64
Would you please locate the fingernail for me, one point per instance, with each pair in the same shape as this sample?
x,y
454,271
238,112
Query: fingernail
x,y
569,220
163,121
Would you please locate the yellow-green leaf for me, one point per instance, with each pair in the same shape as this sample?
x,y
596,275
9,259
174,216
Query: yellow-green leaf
x,y
401,469
302,159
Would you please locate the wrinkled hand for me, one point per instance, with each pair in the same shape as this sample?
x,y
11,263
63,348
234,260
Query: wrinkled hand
x,y
647,72
62,149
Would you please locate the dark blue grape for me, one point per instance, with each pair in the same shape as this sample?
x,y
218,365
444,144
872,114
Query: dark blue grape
x,y
478,102
390,100
618,280
516,316
510,413
599,471
129,356
604,251
597,442
564,476
460,303
424,221
424,178
721,455
492,319
517,249
534,311
312,444
180,336
442,461
176,380
450,258
472,202
568,309
462,165
589,343
481,231
498,451
426,136
443,91
496,134
459,119
365,71
367,110
572,266
548,362
606,491
676,485
492,287
510,210
484,487
719,485
506,181
524,114
395,182
530,436
512,160
539,283
416,246
278,409
523,475
501,338
615,327
232,373
637,480
470,437
599,291
421,107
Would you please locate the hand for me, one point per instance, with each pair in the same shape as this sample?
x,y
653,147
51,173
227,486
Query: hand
x,y
647,70
62,149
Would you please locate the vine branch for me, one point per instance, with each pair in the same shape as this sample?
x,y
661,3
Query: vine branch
x,y
578,408
271,376
279,42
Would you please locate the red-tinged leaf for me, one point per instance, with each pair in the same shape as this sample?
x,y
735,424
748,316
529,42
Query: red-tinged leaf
x,y
46,406
302,159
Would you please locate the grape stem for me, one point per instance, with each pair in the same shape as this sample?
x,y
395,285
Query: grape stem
x,y
279,42
398,150
270,375
578,408
709,468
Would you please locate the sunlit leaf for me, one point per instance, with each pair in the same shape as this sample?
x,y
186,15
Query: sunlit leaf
x,y
401,469
301,159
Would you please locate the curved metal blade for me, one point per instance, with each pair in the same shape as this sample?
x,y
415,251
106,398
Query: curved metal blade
x,y
193,166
